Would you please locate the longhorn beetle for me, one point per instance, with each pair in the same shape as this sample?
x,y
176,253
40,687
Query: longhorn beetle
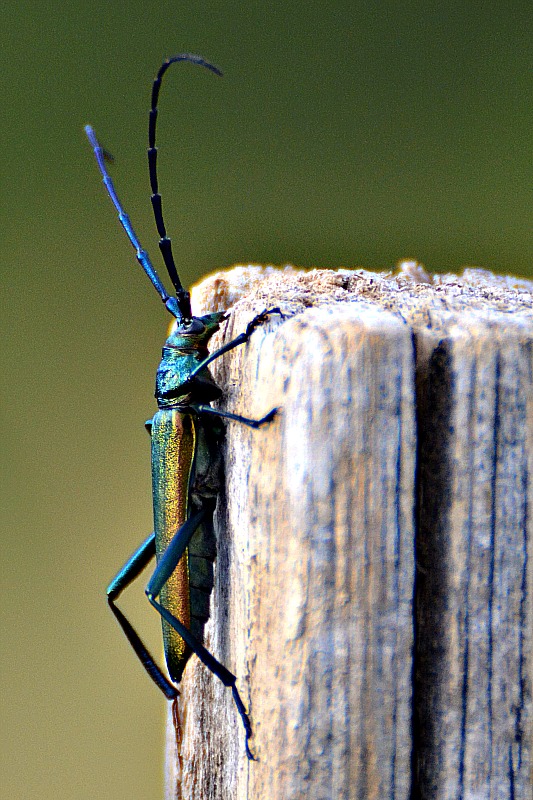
x,y
186,436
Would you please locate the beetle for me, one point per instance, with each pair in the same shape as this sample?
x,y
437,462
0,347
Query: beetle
x,y
186,436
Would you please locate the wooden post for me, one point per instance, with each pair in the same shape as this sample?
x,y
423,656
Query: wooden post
x,y
404,435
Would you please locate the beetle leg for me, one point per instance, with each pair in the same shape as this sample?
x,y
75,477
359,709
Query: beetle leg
x,y
131,570
252,423
170,558
242,338
164,569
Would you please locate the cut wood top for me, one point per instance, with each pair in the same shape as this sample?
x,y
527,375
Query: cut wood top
x,y
409,289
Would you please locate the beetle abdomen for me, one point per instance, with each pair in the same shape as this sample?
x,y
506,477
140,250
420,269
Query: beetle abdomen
x,y
173,451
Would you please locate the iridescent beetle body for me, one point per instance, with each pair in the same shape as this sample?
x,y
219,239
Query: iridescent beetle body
x,y
186,434
185,478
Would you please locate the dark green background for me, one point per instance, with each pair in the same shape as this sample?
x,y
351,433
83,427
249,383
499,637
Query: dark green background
x,y
343,133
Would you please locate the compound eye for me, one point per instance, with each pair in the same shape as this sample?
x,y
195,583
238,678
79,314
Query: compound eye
x,y
195,326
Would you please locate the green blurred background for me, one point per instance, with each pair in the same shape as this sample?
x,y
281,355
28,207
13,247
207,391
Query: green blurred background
x,y
343,134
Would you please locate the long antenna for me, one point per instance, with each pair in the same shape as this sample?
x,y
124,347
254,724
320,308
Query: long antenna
x,y
142,256
182,296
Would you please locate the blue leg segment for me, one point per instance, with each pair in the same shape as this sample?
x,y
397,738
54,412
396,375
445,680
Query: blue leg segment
x,y
170,558
164,569
252,423
242,338
131,569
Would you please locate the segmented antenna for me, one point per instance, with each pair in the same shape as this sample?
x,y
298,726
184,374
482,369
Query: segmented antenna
x,y
142,256
182,296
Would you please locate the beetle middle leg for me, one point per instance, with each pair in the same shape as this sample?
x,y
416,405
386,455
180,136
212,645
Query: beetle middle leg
x,y
251,423
131,570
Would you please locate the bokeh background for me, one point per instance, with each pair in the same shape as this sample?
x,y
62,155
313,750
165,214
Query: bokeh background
x,y
343,134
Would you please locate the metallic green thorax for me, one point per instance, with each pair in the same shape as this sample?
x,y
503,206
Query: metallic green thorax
x,y
185,477
185,348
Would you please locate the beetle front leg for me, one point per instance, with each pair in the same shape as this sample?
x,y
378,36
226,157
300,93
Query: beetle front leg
x,y
242,338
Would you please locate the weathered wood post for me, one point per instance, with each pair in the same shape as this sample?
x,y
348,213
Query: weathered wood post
x,y
404,437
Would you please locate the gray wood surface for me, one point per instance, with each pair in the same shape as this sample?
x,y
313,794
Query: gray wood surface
x,y
404,437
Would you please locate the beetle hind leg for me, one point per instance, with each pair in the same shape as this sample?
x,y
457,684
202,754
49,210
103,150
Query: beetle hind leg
x,y
164,569
214,666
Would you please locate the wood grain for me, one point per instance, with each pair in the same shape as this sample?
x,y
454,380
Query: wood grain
x,y
404,436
